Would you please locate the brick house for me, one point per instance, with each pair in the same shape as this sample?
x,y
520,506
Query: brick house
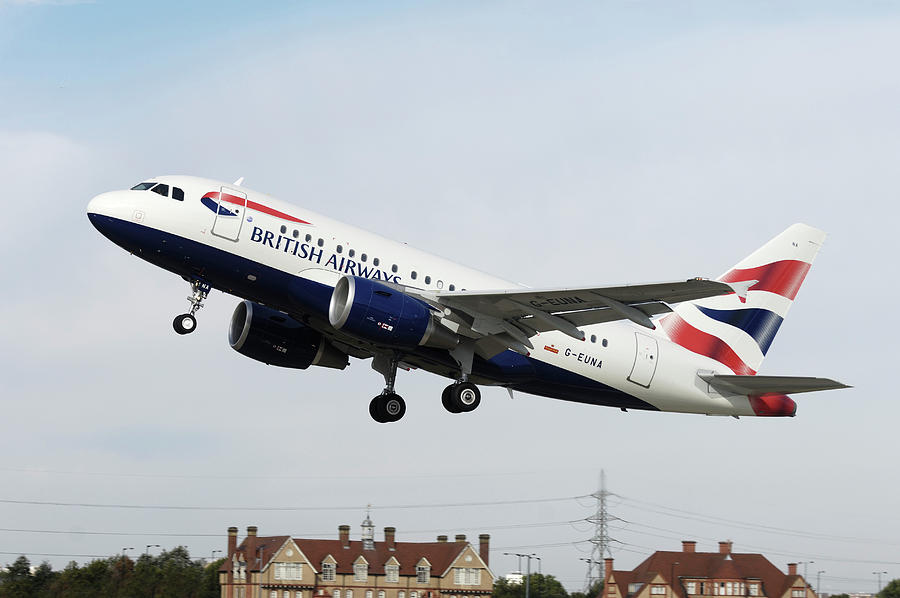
x,y
688,574
286,567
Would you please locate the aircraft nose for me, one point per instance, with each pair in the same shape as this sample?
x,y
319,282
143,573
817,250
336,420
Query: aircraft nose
x,y
100,204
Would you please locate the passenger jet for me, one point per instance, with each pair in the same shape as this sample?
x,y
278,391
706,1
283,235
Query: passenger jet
x,y
317,292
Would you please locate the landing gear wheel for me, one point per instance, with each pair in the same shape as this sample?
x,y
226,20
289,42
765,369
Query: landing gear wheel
x,y
184,324
461,397
446,402
387,407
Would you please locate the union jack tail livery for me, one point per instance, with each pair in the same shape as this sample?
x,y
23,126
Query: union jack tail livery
x,y
738,331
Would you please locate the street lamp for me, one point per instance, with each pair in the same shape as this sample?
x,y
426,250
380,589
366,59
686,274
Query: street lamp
x,y
212,555
539,565
124,549
805,563
528,572
149,546
879,574
818,580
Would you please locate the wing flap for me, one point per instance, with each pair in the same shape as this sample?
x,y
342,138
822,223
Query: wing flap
x,y
760,385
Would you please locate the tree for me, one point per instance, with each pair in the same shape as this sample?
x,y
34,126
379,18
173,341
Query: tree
x,y
209,587
16,580
541,586
595,591
891,590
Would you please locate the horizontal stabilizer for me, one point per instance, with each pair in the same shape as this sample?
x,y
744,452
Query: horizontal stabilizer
x,y
760,385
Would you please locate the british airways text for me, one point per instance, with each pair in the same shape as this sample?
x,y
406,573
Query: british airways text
x,y
306,251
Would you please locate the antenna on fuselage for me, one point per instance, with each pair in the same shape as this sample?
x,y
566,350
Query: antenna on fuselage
x,y
238,182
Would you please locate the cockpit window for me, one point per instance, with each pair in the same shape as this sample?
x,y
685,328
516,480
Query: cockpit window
x,y
142,186
177,194
162,190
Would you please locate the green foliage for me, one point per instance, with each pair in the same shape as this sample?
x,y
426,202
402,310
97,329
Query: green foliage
x,y
172,574
541,586
595,591
891,590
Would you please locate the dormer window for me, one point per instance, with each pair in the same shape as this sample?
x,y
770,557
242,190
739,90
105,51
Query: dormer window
x,y
360,572
423,574
392,573
328,570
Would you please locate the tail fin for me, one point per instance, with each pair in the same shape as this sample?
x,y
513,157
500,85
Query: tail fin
x,y
738,332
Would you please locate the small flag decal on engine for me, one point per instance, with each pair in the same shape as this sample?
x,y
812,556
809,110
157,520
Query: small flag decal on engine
x,y
551,349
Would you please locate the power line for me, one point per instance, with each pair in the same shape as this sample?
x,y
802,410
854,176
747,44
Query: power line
x,y
304,508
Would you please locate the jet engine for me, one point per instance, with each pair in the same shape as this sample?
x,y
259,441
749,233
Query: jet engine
x,y
375,312
274,338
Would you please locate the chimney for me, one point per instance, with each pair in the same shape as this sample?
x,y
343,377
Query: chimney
x,y
460,537
792,568
725,547
344,535
484,544
442,538
251,530
607,562
389,533
688,546
232,540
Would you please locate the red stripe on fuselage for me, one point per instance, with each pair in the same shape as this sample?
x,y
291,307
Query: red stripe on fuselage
x,y
700,342
783,278
234,199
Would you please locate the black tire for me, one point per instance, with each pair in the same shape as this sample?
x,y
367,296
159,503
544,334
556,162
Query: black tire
x,y
386,408
184,324
447,402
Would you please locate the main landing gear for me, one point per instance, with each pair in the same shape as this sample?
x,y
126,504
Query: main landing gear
x,y
460,397
187,323
388,406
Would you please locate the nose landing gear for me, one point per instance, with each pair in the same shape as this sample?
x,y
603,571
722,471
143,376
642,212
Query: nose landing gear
x,y
187,323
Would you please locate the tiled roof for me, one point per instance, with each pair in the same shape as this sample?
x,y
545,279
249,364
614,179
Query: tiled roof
x,y
440,554
711,565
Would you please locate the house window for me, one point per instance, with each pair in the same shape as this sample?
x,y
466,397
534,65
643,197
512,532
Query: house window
x,y
360,572
798,593
690,586
392,573
754,589
401,594
414,594
336,594
273,594
291,571
466,577
348,593
286,594
658,590
368,593
422,575
327,571
380,593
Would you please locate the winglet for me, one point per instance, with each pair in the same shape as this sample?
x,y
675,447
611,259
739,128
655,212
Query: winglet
x,y
741,288
239,182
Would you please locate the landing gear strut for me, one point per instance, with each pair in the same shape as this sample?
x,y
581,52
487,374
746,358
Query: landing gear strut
x,y
463,396
388,406
187,323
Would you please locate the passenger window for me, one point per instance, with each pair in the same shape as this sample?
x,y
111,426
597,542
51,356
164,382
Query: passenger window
x,y
375,262
351,253
440,284
394,268
177,193
320,243
308,238
162,190
413,275
340,249
296,233
362,258
283,229
427,280
142,186
452,287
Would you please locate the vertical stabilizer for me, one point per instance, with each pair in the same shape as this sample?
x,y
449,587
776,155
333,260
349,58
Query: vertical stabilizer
x,y
739,332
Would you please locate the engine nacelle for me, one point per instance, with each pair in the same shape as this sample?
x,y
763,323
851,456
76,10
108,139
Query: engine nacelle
x,y
269,336
377,313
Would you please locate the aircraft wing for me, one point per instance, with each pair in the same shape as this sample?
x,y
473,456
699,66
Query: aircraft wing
x,y
759,385
511,316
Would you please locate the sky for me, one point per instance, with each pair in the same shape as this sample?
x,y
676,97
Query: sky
x,y
553,144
